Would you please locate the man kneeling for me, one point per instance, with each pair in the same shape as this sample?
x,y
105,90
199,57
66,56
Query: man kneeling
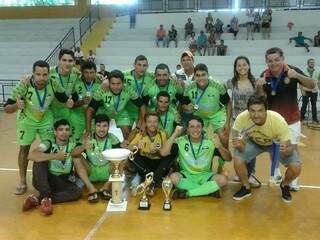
x,y
52,171
195,154
254,130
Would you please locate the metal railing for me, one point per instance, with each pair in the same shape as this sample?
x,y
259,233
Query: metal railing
x,y
87,21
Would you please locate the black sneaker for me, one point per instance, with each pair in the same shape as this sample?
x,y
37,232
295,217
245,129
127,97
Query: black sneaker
x,y
242,193
286,195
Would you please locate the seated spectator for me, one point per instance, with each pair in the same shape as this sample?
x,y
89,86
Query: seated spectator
x,y
234,27
78,55
209,18
265,18
103,71
300,41
91,57
172,36
192,43
219,28
188,28
211,44
202,43
221,49
161,36
317,40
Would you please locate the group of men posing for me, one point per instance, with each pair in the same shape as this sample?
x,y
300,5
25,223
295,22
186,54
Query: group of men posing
x,y
181,126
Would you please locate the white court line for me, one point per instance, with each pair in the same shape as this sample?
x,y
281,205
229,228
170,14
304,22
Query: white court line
x,y
96,226
13,169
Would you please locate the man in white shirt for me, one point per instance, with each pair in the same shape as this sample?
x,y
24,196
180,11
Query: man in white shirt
x,y
186,72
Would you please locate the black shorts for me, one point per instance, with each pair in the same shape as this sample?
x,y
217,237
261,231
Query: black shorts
x,y
265,25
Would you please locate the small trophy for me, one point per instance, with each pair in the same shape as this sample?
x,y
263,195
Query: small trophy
x,y
166,188
144,203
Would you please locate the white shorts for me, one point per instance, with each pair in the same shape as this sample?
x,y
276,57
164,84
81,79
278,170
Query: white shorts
x,y
295,130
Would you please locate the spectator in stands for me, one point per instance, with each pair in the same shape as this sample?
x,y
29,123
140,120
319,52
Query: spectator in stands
x,y
211,44
311,94
221,49
269,11
317,40
219,28
192,43
300,41
91,57
132,15
161,36
234,27
265,19
103,71
202,43
186,73
172,36
257,20
209,27
78,55
188,28
209,18
250,22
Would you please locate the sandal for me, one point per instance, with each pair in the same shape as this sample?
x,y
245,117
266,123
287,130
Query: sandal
x,y
105,194
21,189
93,197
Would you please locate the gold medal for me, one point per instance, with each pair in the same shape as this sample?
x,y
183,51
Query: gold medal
x,y
39,115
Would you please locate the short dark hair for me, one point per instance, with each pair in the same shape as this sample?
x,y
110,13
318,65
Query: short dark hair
x,y
201,67
256,99
163,94
273,51
162,66
197,118
310,59
66,51
88,65
42,64
140,58
60,123
117,74
149,114
101,118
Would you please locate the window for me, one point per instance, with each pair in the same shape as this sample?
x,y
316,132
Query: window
x,y
30,3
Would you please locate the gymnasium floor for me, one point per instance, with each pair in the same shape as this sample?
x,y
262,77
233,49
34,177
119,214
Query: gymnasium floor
x,y
262,216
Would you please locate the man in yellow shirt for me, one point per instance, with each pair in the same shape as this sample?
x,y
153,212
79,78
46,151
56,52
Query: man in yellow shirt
x,y
254,131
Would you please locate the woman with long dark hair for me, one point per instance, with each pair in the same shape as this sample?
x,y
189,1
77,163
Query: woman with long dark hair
x,y
242,86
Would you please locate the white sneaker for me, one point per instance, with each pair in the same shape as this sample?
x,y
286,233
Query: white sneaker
x,y
254,182
294,185
277,176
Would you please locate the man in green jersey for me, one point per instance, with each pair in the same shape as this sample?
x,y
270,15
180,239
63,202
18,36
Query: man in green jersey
x,y
195,153
163,83
32,100
137,80
52,171
113,102
94,168
68,76
169,118
83,92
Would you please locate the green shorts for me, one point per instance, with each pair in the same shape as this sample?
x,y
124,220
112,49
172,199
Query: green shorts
x,y
217,121
199,178
99,173
27,132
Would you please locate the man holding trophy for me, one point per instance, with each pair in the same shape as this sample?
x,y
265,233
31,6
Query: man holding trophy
x,y
195,153
94,167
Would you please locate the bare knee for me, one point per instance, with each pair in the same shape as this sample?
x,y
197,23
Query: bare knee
x,y
221,180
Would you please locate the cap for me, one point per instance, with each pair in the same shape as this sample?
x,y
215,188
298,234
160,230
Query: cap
x,y
187,53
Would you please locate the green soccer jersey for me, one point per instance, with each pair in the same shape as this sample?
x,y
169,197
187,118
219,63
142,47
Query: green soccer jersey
x,y
207,101
68,83
37,102
151,92
138,86
112,104
168,120
97,147
58,167
195,158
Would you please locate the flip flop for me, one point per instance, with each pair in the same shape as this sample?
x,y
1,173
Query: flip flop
x,y
105,194
93,197
21,189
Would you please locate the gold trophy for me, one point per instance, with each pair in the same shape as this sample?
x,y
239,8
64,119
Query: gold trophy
x,y
166,188
144,203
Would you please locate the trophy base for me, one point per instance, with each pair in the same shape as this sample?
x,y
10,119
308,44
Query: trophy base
x,y
117,207
144,206
167,207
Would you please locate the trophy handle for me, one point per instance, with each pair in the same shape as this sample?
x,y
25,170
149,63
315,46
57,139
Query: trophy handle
x,y
134,151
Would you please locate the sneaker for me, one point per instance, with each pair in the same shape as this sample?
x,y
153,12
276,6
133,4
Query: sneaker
x,y
242,193
254,182
286,195
179,194
46,206
294,185
277,176
30,202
